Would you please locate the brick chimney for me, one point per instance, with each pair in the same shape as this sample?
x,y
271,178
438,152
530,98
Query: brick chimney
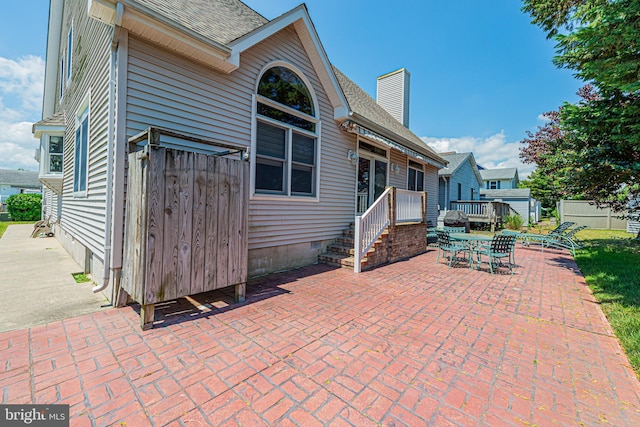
x,y
393,94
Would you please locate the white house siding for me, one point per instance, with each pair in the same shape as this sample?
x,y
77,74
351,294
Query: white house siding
x,y
521,206
49,205
84,217
169,91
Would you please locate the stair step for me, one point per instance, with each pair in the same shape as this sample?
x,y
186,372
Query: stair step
x,y
337,260
337,248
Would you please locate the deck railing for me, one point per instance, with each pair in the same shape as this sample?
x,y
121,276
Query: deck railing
x,y
490,212
369,226
409,206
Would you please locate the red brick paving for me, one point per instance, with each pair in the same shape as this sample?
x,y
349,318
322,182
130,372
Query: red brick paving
x,y
412,343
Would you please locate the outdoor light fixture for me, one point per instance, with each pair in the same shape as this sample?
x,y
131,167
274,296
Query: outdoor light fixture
x,y
352,156
395,168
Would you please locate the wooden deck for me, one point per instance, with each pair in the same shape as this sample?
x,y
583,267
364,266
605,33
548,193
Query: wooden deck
x,y
483,211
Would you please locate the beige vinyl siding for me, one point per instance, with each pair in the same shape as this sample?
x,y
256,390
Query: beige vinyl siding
x,y
430,182
172,92
431,187
400,180
84,217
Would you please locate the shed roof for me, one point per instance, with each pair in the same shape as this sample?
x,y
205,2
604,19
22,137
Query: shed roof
x,y
16,178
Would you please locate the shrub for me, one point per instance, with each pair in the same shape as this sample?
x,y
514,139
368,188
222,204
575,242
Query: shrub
x,y
24,207
513,222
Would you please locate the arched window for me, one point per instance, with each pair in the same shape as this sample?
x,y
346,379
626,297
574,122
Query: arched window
x,y
286,150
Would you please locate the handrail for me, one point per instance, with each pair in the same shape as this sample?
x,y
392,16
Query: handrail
x,y
369,226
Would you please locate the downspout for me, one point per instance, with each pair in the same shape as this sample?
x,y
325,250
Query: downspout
x,y
51,63
110,149
446,194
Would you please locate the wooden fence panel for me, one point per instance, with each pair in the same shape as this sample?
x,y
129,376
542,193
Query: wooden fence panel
x,y
185,218
211,248
199,235
169,285
155,225
186,224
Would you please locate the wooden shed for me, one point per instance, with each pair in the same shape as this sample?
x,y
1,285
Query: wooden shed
x,y
186,219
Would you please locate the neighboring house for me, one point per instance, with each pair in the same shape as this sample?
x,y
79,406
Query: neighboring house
x,y
321,149
518,198
499,179
460,180
18,182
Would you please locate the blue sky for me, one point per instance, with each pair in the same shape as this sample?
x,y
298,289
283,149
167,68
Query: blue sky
x,y
481,74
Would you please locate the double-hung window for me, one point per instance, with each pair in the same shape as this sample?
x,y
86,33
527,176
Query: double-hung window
x,y
415,177
287,132
54,155
81,156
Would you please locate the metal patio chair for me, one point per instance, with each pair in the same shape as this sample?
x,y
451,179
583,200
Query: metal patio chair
x,y
452,248
500,249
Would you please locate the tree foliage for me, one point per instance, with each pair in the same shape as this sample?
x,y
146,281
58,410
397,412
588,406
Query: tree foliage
x,y
597,140
24,207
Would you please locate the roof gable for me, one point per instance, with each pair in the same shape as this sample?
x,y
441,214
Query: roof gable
x,y
456,161
497,174
301,22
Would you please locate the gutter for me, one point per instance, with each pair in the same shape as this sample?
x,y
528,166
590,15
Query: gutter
x,y
51,64
110,149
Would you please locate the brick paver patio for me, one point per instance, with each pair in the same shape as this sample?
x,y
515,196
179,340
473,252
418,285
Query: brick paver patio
x,y
412,343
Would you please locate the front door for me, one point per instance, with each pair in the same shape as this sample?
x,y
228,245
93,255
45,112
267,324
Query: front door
x,y
372,180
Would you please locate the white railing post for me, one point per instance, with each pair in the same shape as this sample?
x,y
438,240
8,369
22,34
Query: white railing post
x,y
369,227
357,245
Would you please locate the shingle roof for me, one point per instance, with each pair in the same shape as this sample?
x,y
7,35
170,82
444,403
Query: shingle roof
x,y
454,159
27,179
506,193
56,120
226,20
495,174
219,20
362,104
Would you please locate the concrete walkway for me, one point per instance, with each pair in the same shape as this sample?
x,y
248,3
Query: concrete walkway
x,y
36,285
413,343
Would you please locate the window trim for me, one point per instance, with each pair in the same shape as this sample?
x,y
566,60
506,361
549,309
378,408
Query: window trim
x,y
83,112
47,154
62,79
289,129
422,169
69,56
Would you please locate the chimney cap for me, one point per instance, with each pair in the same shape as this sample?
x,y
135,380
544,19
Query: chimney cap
x,y
399,70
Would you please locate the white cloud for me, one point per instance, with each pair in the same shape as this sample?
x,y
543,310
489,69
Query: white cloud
x,y
21,85
543,118
492,152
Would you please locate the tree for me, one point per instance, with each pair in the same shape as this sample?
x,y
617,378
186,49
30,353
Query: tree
x,y
547,148
600,41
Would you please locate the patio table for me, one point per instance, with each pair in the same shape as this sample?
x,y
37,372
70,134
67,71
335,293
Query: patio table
x,y
473,241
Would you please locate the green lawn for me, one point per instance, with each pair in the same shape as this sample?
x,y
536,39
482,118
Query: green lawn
x,y
610,263
4,225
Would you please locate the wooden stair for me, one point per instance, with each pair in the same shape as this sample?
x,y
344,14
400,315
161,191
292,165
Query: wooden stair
x,y
340,252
